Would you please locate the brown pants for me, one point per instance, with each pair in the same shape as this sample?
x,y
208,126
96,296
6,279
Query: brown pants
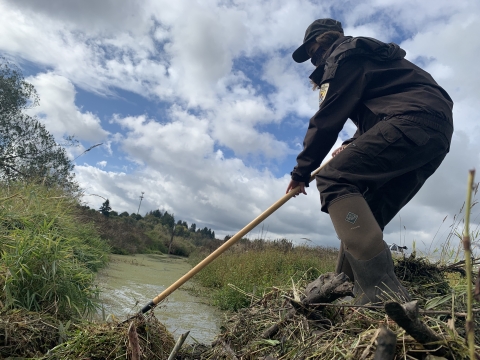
x,y
388,164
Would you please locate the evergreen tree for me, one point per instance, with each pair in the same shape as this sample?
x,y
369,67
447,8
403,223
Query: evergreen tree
x,y
157,213
105,208
168,220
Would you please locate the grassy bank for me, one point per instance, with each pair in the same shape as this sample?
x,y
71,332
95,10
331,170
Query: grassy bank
x,y
135,234
250,268
49,253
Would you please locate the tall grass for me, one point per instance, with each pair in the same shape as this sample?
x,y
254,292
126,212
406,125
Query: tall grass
x,y
254,267
48,253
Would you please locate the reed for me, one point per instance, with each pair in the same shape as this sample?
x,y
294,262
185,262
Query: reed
x,y
469,324
48,254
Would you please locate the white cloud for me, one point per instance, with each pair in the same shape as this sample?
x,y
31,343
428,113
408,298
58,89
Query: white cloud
x,y
451,48
89,15
224,203
204,61
58,111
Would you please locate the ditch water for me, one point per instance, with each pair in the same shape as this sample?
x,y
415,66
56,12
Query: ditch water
x,y
132,281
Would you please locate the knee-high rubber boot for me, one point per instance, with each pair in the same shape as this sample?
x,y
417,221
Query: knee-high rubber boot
x,y
343,266
366,252
375,280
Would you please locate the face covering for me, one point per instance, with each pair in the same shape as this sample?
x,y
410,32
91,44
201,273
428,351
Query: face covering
x,y
317,56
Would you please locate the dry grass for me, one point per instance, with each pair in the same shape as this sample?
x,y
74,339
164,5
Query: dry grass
x,y
25,334
114,340
345,332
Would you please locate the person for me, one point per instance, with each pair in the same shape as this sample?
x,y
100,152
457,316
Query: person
x,y
404,129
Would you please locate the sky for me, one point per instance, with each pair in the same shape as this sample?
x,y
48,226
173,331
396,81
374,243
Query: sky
x,y
199,106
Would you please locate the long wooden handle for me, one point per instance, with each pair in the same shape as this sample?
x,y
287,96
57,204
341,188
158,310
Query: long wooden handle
x,y
226,245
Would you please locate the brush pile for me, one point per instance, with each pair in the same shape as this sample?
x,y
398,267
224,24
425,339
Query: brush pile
x,y
32,335
26,334
140,338
279,325
346,332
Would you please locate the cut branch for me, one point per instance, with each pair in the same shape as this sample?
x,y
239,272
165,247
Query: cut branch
x,y
327,288
386,343
406,316
178,345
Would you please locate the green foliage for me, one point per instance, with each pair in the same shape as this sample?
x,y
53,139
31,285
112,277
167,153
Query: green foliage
x,y
181,230
132,233
259,266
48,253
181,247
27,150
168,220
127,235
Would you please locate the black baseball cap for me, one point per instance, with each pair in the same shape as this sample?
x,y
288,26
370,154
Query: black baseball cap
x,y
316,28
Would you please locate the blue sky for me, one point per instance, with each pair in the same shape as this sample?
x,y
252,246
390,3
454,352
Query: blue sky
x,y
199,105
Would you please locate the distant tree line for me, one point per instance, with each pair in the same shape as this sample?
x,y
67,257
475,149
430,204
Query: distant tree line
x,y
165,218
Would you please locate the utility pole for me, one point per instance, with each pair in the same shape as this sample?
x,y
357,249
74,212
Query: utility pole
x,y
141,198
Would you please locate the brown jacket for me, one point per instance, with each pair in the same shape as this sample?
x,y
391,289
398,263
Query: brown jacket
x,y
368,81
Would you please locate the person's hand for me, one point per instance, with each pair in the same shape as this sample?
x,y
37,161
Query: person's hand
x,y
339,150
293,184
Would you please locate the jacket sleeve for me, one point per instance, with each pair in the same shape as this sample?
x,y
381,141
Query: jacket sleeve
x,y
352,139
343,95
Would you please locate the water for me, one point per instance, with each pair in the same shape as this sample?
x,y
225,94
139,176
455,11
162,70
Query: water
x,y
131,282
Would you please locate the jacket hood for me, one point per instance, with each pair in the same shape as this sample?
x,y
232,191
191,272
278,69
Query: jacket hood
x,y
348,47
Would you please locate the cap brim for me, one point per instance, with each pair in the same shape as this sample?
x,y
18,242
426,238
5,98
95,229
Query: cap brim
x,y
300,55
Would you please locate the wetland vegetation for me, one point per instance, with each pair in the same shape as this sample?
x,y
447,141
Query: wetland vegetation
x,y
52,247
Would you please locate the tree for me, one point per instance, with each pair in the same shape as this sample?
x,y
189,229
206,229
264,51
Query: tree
x,y
105,208
136,216
157,213
27,150
181,230
168,220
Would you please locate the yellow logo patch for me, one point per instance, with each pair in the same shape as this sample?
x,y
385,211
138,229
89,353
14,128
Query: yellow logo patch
x,y
323,93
